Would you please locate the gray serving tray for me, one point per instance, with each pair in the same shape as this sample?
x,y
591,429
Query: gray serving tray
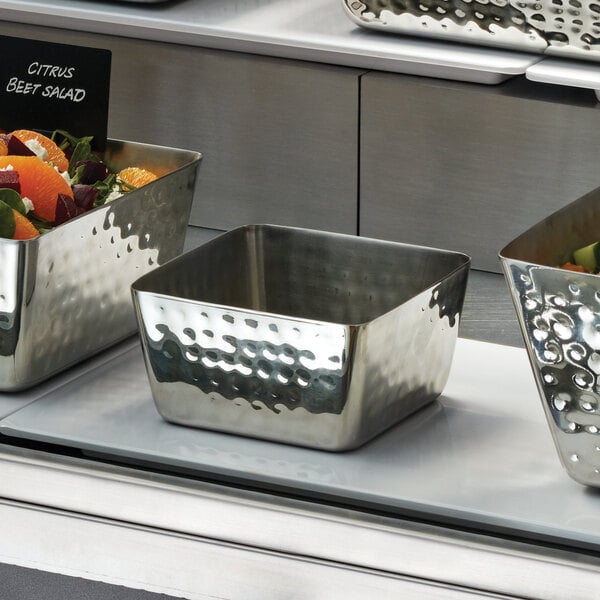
x,y
13,401
481,455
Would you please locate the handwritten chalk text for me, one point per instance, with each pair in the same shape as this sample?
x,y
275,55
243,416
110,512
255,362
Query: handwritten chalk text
x,y
19,86
36,68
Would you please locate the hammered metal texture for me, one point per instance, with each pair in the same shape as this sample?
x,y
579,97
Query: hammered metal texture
x,y
559,314
303,337
66,295
558,27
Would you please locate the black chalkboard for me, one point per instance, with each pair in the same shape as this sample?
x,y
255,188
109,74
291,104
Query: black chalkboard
x,y
47,86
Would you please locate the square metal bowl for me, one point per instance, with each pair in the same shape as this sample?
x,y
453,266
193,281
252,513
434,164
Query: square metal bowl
x,y
66,294
303,337
559,316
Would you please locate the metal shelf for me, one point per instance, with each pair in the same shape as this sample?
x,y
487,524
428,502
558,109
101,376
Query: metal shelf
x,y
312,30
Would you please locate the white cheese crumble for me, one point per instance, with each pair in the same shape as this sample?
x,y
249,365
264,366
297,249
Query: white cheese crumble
x,y
37,149
8,168
28,204
114,194
65,175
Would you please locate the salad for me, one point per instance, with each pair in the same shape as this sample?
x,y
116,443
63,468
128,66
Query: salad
x,y
46,181
585,260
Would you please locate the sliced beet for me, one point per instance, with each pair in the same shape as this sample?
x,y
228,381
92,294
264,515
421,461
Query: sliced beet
x,y
10,179
93,171
66,209
84,195
17,148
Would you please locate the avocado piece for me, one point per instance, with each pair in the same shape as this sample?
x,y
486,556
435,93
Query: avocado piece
x,y
588,257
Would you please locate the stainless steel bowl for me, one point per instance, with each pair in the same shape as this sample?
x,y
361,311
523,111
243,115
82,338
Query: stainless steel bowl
x,y
66,295
559,315
299,336
556,27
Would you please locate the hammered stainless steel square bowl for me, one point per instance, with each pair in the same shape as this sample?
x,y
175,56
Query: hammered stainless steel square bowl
x,y
66,294
300,336
559,316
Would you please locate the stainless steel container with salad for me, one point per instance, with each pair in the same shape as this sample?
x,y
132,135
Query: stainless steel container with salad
x,y
551,272
303,337
65,294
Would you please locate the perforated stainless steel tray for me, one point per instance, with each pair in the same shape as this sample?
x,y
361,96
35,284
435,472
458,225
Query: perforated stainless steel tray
x,y
65,295
557,27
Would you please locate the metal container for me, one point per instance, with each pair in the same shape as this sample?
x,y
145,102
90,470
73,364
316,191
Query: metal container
x,y
559,315
569,28
66,294
299,336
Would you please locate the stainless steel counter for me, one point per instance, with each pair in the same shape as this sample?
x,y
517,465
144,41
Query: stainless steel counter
x,y
189,534
311,30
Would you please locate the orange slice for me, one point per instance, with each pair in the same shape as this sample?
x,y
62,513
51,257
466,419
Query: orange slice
x,y
136,176
40,182
24,229
55,155
3,147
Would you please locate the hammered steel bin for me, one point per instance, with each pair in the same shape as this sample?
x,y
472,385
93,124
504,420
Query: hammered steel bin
x,y
559,316
66,294
299,336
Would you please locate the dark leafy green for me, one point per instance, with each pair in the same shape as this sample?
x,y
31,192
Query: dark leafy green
x,y
13,199
81,154
7,221
79,149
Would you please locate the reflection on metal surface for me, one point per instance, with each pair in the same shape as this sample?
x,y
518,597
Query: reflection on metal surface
x,y
10,274
266,369
559,314
65,295
300,336
561,27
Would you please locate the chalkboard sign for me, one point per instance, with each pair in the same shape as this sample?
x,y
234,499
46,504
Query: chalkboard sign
x,y
47,86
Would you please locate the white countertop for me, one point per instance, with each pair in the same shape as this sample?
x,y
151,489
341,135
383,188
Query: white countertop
x,y
313,30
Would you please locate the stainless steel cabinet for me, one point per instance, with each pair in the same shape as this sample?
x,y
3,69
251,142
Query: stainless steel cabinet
x,y
279,137
468,167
